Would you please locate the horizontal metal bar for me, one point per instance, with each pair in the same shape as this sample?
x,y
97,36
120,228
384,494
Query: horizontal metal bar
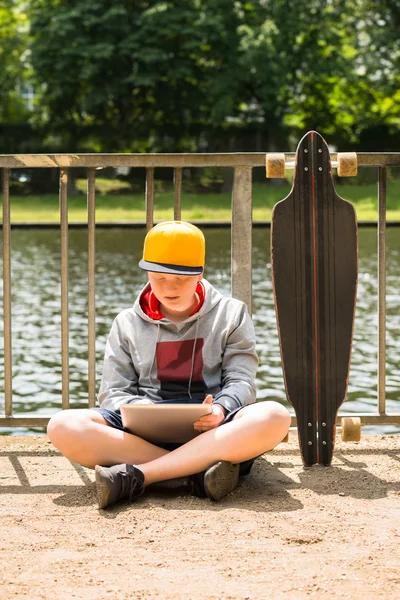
x,y
141,224
24,421
257,159
366,419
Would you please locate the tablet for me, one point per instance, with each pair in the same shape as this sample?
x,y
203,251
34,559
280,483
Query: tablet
x,y
163,422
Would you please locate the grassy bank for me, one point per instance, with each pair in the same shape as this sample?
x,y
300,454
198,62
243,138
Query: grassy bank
x,y
207,207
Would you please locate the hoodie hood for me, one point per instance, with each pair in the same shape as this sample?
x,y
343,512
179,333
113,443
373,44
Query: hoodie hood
x,y
211,299
151,305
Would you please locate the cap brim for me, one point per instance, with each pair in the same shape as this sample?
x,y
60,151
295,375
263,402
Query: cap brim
x,y
173,269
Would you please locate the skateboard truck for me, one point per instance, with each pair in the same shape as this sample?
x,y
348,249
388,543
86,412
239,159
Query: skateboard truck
x,y
276,164
351,429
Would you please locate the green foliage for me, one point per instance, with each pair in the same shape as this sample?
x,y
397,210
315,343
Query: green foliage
x,y
126,75
202,75
13,37
313,68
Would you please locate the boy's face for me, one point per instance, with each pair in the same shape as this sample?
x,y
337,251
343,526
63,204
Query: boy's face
x,y
176,292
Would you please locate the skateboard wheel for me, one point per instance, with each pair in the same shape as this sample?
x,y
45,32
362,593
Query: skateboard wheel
x,y
347,164
275,164
351,429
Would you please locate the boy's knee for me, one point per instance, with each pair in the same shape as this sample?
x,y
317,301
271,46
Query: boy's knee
x,y
58,425
281,416
66,423
275,416
279,412
276,423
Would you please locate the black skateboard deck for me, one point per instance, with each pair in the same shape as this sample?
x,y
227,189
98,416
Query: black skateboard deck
x,y
314,271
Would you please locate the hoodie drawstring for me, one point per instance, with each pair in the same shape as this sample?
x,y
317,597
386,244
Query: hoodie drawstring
x,y
193,357
154,357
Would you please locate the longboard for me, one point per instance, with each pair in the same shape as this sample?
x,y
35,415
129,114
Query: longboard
x,y
314,271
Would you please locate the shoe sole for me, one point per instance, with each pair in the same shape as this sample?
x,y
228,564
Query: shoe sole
x,y
102,487
221,479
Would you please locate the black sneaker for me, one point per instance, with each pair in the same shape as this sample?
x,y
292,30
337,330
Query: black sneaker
x,y
196,485
121,482
216,482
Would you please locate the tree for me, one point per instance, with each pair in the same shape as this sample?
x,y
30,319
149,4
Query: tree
x,y
13,72
185,75
119,74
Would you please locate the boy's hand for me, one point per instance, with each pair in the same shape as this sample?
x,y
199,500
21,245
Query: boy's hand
x,y
212,420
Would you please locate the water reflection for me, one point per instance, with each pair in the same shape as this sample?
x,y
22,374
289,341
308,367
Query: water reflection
x,y
36,319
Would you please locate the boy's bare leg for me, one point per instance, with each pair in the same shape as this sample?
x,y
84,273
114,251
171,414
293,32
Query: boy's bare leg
x,y
253,430
85,437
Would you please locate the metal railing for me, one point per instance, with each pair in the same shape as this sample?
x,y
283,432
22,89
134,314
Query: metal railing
x,y
241,248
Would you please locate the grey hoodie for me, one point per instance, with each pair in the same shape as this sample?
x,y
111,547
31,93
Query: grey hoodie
x,y
211,352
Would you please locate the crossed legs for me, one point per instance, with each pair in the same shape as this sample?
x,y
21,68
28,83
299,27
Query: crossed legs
x,y
84,437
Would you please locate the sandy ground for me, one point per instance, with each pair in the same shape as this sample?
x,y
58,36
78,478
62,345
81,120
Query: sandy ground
x,y
286,532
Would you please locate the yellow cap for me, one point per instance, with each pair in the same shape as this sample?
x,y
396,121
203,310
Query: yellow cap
x,y
174,247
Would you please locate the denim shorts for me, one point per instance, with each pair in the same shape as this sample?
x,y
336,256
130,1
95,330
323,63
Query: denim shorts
x,y
113,417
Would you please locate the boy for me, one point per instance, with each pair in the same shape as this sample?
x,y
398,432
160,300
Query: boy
x,y
181,340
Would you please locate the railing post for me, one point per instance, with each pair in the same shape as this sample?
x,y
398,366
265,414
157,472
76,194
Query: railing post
x,y
382,290
177,193
241,235
7,295
91,287
149,197
64,287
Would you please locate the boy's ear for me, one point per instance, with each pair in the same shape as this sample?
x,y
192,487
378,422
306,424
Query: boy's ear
x,y
200,277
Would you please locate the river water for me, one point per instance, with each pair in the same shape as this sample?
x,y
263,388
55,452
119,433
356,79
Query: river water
x,y
36,319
